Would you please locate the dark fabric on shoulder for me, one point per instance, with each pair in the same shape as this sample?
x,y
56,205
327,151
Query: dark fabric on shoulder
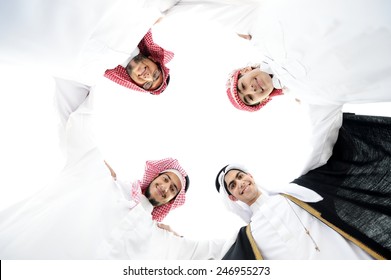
x,y
356,182
241,249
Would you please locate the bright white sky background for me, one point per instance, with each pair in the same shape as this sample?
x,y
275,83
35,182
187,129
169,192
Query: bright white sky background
x,y
192,121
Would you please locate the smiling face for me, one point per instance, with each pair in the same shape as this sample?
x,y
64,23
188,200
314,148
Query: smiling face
x,y
163,189
145,72
254,85
242,187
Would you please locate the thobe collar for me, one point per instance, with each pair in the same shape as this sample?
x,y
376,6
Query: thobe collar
x,y
286,70
299,192
146,204
265,67
259,202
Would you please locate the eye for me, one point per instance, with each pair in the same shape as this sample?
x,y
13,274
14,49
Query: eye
x,y
156,75
243,86
165,179
147,85
232,185
240,176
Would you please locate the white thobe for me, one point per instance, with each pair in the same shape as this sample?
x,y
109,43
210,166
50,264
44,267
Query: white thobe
x,y
138,228
83,214
233,15
280,234
328,52
321,128
76,40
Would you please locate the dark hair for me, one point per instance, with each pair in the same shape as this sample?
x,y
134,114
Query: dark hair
x,y
217,183
168,78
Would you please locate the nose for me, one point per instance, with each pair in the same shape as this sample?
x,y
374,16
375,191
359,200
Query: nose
x,y
165,188
146,75
254,85
141,70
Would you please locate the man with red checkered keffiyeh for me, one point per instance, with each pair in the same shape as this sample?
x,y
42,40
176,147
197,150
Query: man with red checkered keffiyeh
x,y
164,184
145,70
69,45
85,214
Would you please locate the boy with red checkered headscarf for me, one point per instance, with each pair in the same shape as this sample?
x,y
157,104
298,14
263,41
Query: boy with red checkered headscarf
x,y
252,87
85,214
325,56
164,185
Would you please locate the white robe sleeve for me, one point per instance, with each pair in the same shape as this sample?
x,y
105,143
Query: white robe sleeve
x,y
75,40
115,38
187,249
232,15
323,126
69,95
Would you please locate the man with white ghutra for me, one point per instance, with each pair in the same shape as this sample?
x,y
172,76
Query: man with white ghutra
x,y
341,210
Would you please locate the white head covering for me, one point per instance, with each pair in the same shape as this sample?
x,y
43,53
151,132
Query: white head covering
x,y
237,207
242,209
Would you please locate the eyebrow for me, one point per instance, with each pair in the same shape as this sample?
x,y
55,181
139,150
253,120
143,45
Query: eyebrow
x,y
236,177
172,182
245,101
237,86
230,183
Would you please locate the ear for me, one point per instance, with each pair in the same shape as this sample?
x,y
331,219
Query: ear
x,y
232,198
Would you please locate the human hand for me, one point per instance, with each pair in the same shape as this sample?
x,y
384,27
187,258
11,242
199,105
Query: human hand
x,y
158,20
245,36
168,228
112,172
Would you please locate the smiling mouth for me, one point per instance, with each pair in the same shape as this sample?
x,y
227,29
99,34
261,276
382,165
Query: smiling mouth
x,y
160,192
244,189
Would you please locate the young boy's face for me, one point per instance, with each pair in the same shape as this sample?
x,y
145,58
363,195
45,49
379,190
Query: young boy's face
x,y
254,85
242,186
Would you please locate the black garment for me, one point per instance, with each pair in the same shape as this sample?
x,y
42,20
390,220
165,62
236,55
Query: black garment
x,y
244,247
356,183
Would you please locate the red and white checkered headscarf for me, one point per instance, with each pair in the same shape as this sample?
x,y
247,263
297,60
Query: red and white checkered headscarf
x,y
233,96
152,169
148,48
